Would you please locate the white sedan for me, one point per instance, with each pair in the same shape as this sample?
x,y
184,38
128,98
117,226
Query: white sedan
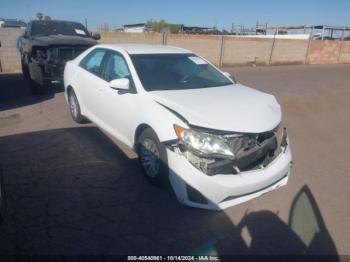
x,y
216,142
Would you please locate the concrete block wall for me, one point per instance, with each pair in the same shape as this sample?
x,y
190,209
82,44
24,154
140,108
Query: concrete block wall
x,y
246,51
222,51
207,46
121,37
289,51
344,56
9,55
324,52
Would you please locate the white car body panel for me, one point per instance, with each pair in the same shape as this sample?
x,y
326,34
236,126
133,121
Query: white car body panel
x,y
216,189
234,108
230,108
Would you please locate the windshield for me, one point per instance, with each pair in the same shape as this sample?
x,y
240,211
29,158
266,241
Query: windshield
x,y
176,71
42,28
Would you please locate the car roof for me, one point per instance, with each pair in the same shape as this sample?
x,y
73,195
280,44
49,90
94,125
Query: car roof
x,y
146,49
54,20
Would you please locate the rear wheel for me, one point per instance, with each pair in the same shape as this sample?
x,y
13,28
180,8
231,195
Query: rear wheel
x,y
74,108
153,158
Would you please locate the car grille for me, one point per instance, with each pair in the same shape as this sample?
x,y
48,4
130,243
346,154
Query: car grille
x,y
243,143
66,53
251,151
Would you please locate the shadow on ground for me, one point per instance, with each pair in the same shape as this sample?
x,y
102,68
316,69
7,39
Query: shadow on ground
x,y
15,91
71,191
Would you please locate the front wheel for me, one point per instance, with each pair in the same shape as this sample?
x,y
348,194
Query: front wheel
x,y
153,158
2,197
25,69
74,108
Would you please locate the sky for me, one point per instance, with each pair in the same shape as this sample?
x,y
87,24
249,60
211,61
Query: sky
x,y
219,13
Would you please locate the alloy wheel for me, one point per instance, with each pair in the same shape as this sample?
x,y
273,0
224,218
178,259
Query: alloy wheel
x,y
149,156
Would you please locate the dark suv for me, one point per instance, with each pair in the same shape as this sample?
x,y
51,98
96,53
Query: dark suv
x,y
47,45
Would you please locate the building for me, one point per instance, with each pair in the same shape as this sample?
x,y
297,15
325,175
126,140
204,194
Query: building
x,y
12,23
198,30
326,32
135,28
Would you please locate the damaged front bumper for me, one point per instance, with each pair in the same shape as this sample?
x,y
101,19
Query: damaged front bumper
x,y
195,188
48,62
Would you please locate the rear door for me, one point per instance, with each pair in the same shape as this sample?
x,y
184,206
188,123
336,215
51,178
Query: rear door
x,y
90,81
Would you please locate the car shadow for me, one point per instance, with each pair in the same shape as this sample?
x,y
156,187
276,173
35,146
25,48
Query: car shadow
x,y
72,191
15,91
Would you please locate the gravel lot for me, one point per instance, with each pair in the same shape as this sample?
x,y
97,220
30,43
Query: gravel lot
x,y
70,190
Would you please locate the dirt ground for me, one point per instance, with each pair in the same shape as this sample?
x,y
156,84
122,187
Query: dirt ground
x,y
70,190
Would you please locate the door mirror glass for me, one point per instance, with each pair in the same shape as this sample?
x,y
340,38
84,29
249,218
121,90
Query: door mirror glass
x,y
120,84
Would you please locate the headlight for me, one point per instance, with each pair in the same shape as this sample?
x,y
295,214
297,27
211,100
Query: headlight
x,y
203,143
278,133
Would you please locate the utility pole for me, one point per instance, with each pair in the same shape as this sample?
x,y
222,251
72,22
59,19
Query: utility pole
x,y
0,59
341,46
273,47
29,10
86,23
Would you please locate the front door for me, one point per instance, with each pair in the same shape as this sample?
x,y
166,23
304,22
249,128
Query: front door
x,y
117,108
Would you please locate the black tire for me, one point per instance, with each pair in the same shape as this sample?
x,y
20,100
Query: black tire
x,y
76,115
38,83
25,69
2,197
161,176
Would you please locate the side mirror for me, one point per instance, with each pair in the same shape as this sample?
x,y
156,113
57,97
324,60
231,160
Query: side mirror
x,y
96,36
227,74
120,84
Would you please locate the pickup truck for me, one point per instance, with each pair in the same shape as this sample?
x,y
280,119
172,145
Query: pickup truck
x,y
45,47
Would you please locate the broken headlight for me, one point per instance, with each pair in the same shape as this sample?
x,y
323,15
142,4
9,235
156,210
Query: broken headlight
x,y
203,143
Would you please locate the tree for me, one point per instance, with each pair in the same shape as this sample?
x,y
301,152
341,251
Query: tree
x,y
40,15
174,28
47,18
158,26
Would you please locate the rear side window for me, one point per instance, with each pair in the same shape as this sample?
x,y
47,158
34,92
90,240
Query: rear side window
x,y
93,61
116,68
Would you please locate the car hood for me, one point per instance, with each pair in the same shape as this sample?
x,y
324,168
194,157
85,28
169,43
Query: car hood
x,y
235,108
62,40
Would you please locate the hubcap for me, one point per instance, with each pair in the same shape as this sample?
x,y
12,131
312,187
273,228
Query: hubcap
x,y
149,156
73,105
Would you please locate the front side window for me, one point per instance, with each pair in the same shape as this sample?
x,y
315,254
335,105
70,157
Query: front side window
x,y
116,68
176,72
93,61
